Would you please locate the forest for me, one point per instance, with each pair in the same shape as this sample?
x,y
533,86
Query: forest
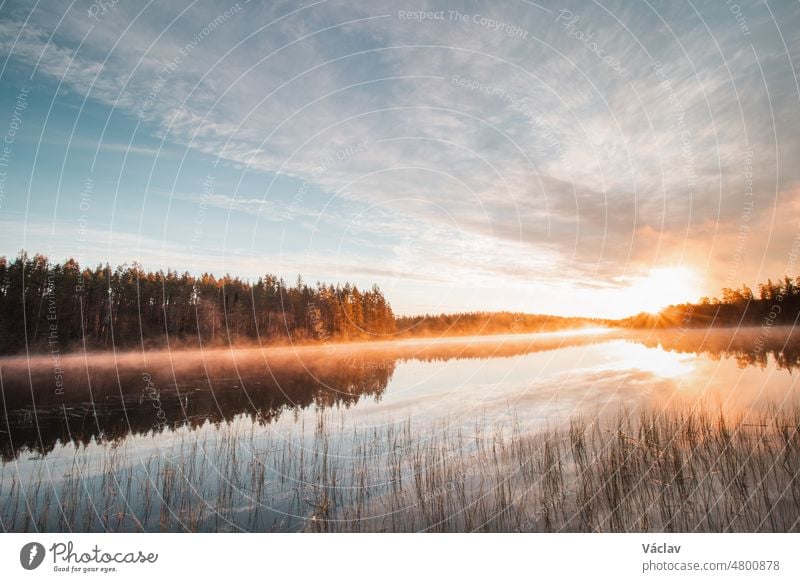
x,y
57,307
487,323
47,306
772,304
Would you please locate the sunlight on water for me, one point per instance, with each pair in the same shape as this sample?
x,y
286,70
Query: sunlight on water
x,y
659,362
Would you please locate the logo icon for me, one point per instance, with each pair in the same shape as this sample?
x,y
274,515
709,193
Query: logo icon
x,y
31,555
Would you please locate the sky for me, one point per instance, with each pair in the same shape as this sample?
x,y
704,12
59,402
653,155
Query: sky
x,y
578,158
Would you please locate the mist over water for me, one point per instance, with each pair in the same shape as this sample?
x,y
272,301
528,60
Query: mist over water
x,y
537,378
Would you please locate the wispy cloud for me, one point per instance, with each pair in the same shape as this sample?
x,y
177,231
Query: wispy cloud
x,y
496,155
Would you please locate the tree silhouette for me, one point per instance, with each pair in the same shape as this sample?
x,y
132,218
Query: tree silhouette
x,y
56,306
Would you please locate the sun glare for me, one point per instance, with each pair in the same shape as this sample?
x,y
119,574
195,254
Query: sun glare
x,y
663,286
657,361
666,286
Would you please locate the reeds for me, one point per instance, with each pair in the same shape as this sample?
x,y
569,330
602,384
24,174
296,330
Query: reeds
x,y
678,468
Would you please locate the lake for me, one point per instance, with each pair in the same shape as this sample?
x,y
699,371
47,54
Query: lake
x,y
456,434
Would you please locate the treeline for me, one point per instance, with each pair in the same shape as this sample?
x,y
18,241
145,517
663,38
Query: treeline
x,y
51,306
487,323
772,303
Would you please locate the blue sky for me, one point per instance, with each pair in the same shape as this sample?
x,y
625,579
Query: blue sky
x,y
557,157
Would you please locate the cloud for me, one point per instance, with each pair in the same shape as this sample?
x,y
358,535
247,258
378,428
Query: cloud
x,y
500,156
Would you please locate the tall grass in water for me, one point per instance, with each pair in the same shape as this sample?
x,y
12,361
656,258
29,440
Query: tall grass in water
x,y
673,469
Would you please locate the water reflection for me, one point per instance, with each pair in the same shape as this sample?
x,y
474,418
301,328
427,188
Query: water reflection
x,y
748,346
112,398
653,359
107,398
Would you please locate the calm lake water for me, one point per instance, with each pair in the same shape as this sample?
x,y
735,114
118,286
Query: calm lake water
x,y
247,439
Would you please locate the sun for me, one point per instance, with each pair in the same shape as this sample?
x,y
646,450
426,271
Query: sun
x,y
649,292
664,286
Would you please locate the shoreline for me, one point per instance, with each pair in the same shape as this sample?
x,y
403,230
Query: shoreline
x,y
290,348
